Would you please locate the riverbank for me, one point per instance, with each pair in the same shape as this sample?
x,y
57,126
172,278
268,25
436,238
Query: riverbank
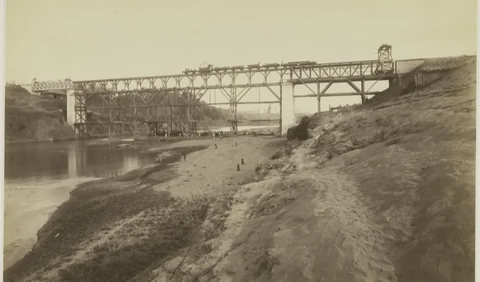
x,y
61,139
27,209
40,176
100,212
266,130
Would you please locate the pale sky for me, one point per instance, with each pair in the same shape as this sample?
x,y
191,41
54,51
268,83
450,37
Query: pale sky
x,y
94,39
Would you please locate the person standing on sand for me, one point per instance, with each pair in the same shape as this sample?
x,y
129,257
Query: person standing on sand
x,y
184,157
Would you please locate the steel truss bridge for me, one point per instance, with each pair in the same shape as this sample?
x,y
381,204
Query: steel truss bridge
x,y
179,96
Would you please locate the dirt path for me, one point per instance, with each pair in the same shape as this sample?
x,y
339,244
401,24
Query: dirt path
x,y
343,243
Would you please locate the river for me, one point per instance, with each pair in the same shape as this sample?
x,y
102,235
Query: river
x,y
40,176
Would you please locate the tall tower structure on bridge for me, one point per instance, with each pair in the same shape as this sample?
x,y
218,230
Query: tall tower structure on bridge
x,y
385,58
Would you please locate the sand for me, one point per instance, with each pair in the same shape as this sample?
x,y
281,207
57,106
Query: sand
x,y
28,206
205,172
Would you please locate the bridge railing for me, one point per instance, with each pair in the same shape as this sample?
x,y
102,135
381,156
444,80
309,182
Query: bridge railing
x,y
51,85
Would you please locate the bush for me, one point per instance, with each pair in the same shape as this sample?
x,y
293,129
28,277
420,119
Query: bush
x,y
300,131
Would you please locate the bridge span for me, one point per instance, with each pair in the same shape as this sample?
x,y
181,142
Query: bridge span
x,y
179,95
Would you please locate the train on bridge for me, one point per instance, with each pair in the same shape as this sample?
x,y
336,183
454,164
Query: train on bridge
x,y
211,69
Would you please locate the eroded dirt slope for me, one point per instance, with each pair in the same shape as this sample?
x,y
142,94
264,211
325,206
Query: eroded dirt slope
x,y
382,193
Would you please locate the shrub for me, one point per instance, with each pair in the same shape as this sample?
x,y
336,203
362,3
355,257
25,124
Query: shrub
x,y
299,131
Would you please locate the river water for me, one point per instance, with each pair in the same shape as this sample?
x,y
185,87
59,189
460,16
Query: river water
x,y
40,176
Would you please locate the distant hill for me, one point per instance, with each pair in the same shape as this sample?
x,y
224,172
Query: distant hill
x,y
33,118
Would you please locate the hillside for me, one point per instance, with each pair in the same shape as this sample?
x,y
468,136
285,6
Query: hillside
x,y
36,118
33,118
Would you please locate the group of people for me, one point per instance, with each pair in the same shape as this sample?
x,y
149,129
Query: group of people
x,y
213,134
205,134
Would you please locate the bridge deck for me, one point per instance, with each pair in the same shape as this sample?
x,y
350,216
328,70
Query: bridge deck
x,y
214,121
341,79
214,79
98,122
232,70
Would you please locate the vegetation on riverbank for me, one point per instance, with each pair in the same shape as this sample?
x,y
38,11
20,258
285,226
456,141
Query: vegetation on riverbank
x,y
32,118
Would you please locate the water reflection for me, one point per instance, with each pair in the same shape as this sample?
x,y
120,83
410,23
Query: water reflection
x,y
39,177
72,162
47,161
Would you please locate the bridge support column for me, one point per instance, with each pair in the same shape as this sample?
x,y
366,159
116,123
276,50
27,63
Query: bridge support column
x,y
70,107
293,103
319,101
281,110
286,108
363,91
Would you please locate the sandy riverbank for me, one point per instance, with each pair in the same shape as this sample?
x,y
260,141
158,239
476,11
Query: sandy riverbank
x,y
27,209
97,212
207,172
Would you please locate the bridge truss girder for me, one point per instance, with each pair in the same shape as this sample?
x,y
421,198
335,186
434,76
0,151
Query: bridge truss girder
x,y
342,73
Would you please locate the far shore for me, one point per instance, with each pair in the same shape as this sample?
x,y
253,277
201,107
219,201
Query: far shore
x,y
267,128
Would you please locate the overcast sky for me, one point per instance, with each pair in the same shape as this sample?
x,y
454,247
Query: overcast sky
x,y
93,39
